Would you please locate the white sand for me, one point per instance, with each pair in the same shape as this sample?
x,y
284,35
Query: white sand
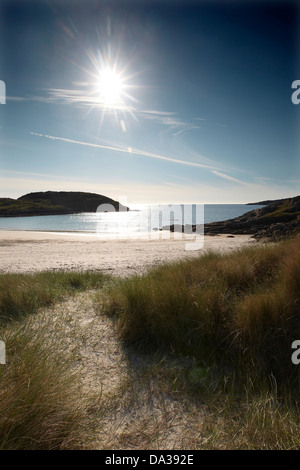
x,y
28,251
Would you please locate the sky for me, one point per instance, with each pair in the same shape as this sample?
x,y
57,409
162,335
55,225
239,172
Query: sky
x,y
150,101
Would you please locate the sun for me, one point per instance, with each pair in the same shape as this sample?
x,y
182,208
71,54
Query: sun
x,y
110,87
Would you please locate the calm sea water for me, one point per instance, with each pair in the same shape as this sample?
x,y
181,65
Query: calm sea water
x,y
142,219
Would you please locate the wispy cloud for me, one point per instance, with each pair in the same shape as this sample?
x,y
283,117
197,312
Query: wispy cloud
x,y
127,150
181,131
262,179
229,178
168,119
37,175
70,97
81,98
292,181
41,99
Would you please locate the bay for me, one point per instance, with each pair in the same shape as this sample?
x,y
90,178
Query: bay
x,y
141,219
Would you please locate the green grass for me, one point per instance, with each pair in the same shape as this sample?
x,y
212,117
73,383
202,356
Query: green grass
x,y
41,406
41,403
237,312
284,210
9,207
24,294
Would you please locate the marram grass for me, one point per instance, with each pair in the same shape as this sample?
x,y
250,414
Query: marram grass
x,y
237,311
41,402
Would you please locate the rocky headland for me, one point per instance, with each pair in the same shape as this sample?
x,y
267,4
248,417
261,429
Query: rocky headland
x,y
277,219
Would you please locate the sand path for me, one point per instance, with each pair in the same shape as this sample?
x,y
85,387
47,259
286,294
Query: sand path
x,y
130,405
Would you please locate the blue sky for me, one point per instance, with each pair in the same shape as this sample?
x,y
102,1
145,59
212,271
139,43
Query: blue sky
x,y
203,111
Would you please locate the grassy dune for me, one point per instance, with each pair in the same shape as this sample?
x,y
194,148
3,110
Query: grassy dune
x,y
237,312
217,331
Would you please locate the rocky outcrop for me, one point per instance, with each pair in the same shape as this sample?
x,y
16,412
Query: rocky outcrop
x,y
276,220
56,203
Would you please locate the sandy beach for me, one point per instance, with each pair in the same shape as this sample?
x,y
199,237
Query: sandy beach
x,y
28,251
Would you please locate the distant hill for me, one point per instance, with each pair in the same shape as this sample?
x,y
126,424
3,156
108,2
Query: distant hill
x,y
56,203
263,203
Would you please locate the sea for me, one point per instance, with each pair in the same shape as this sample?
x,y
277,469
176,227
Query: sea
x,y
141,218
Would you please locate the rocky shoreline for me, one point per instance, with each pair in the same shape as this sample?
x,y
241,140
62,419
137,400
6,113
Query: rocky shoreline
x,y
276,220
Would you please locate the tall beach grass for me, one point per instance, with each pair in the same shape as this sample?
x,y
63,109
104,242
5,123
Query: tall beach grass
x,y
41,402
236,312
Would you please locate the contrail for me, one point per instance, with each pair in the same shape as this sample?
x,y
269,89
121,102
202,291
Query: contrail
x,y
128,150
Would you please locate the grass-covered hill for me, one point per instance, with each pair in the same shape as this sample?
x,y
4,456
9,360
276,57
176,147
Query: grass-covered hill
x,y
54,203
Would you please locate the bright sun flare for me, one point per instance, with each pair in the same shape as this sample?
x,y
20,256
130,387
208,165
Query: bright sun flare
x,y
110,86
